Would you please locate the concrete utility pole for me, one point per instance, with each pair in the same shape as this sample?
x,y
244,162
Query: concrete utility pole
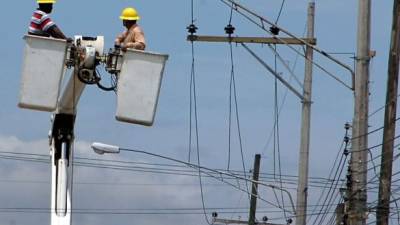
x,y
382,217
302,188
254,191
358,163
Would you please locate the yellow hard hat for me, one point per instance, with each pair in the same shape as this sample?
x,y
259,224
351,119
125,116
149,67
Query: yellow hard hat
x,y
129,14
46,1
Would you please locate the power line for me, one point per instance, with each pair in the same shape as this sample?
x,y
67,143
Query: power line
x,y
331,193
165,171
277,136
193,91
210,173
233,82
291,71
237,172
261,21
280,11
330,174
117,212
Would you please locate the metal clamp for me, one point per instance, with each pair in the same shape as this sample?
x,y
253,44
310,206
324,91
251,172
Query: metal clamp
x,y
114,60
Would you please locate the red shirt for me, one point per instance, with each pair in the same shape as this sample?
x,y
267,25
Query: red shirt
x,y
40,23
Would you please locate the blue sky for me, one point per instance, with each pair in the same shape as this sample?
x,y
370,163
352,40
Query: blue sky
x,y
164,23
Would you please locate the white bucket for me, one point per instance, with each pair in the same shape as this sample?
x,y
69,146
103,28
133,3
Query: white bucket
x,y
42,72
139,86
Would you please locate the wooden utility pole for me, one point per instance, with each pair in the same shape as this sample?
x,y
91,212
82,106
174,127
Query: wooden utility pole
x,y
382,217
253,200
358,162
339,214
302,188
254,191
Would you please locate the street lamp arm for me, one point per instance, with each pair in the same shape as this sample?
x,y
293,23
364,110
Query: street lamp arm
x,y
101,148
208,169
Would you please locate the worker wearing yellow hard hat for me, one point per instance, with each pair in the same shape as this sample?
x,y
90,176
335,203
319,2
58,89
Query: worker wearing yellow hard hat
x,y
133,36
129,14
41,24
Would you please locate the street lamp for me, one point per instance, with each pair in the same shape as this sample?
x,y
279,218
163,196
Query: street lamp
x,y
101,148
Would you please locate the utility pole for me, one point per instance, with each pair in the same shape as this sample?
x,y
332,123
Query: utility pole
x,y
382,217
358,162
339,214
302,188
253,201
360,121
254,190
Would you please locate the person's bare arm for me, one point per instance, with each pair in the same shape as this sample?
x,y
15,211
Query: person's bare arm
x,y
134,45
120,38
55,32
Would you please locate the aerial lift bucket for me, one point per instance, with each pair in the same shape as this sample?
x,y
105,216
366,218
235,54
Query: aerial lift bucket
x,y
139,81
42,72
139,85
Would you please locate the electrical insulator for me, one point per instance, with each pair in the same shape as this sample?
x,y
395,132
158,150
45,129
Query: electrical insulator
x,y
274,30
192,28
229,29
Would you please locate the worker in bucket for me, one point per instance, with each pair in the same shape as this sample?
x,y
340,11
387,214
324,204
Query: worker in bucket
x,y
133,37
41,24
